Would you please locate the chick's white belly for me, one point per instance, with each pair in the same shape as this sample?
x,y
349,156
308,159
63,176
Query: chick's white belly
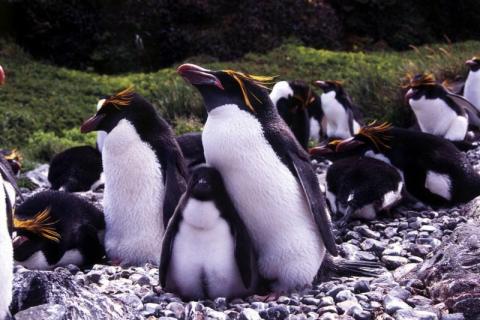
x,y
203,257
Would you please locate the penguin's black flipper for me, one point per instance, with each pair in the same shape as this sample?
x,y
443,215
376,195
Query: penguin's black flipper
x,y
244,253
468,107
315,199
464,145
7,175
168,240
91,247
175,186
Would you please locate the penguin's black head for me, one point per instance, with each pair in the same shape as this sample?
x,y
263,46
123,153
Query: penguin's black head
x,y
34,231
473,64
374,137
124,105
205,183
424,84
225,87
302,93
330,85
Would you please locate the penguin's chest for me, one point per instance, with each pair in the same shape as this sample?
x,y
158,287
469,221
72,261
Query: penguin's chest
x,y
6,256
337,118
434,115
266,194
472,88
134,189
203,261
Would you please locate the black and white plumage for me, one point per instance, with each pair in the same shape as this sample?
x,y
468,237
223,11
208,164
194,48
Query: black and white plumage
x,y
206,251
144,176
76,169
8,192
301,109
361,187
192,149
438,111
343,118
471,90
55,228
433,169
267,174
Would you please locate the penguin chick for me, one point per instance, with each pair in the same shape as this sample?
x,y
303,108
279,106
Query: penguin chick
x,y
144,174
471,92
343,118
207,252
55,229
438,111
192,149
76,169
434,171
362,187
300,108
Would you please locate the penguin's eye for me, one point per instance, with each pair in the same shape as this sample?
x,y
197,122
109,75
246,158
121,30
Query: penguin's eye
x,y
202,181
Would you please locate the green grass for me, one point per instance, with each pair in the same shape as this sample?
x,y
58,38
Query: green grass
x,y
42,106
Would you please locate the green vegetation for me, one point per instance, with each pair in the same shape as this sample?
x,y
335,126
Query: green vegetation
x,y
42,106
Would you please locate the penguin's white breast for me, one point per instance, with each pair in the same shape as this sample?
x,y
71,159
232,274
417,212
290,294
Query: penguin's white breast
x,y
434,115
472,88
204,249
337,118
264,191
280,90
134,193
6,256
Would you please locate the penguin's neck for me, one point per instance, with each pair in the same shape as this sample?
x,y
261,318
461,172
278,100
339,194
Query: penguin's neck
x,y
434,115
201,214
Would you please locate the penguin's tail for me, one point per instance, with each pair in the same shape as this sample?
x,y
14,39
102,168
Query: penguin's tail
x,y
333,267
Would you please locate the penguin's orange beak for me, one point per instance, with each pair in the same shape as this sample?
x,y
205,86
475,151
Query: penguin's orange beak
x,y
408,95
2,76
91,124
470,62
196,75
321,84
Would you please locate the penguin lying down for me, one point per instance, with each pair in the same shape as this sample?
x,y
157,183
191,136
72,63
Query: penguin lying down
x,y
76,169
206,251
362,187
56,229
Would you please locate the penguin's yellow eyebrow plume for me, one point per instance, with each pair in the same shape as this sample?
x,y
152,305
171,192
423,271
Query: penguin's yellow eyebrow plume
x,y
377,134
425,79
39,225
240,77
122,98
14,155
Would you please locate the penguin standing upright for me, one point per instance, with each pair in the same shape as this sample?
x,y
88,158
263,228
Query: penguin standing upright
x,y
206,251
267,174
438,111
471,90
8,187
301,109
55,229
144,176
342,116
361,187
434,171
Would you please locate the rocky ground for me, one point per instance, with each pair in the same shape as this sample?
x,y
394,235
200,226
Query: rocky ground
x,y
432,261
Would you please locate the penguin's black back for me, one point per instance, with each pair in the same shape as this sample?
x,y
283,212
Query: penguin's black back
x,y
192,148
367,178
75,169
75,219
416,153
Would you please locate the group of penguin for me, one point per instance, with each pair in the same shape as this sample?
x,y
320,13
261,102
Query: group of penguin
x,y
237,209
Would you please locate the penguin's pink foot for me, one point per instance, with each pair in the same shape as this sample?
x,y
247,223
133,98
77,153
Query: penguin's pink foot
x,y
116,262
267,298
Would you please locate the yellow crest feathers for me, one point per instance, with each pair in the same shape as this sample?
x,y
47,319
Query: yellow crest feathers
x,y
122,98
377,133
240,77
39,225
14,155
423,79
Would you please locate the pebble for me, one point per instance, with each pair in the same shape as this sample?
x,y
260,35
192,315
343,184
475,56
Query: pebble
x,y
277,313
415,315
393,262
392,304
